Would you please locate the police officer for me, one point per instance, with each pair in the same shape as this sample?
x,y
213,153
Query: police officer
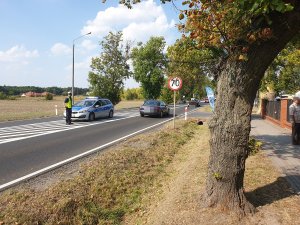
x,y
68,104
294,111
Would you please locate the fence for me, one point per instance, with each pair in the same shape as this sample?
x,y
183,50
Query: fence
x,y
273,109
277,112
289,102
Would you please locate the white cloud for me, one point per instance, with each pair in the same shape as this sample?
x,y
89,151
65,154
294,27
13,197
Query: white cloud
x,y
18,54
83,65
60,49
138,24
89,45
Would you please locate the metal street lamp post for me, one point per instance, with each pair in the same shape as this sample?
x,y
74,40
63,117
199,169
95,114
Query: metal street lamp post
x,y
74,63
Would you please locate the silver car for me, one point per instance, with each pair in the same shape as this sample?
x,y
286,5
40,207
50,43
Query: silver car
x,y
154,108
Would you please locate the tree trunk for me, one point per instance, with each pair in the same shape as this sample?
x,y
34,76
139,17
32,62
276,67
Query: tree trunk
x,y
230,126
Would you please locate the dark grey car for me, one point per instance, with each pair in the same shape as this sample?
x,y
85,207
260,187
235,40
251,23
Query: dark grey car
x,y
154,108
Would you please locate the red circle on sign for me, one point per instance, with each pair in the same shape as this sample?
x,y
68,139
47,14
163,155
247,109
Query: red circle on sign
x,y
173,85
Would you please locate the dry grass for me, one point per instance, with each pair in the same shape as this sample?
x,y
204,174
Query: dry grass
x,y
129,104
205,108
38,107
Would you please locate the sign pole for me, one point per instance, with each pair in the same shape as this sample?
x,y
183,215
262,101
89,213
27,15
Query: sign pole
x,y
174,110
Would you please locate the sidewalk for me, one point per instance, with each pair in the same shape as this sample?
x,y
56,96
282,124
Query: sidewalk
x,y
278,147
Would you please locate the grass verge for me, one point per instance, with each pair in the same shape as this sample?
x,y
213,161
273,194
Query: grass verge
x,y
107,189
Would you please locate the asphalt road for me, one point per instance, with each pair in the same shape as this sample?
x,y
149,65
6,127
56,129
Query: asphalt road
x,y
33,145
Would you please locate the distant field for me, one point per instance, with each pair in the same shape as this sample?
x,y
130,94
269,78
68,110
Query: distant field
x,y
38,107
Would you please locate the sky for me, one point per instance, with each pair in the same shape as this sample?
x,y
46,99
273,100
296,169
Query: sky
x,y
37,36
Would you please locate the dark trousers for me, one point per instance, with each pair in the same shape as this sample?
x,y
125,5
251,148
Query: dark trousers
x,y
296,133
68,115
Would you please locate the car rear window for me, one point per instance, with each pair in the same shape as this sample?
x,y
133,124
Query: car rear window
x,y
152,103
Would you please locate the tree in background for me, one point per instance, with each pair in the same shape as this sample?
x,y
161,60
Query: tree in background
x,y
149,63
283,75
132,94
167,95
192,65
110,69
18,90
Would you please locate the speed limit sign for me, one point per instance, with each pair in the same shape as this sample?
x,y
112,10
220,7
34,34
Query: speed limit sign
x,y
175,83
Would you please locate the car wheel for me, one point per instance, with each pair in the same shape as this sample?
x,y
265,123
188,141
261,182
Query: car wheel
x,y
111,114
91,117
142,115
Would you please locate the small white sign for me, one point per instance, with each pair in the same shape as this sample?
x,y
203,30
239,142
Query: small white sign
x,y
175,83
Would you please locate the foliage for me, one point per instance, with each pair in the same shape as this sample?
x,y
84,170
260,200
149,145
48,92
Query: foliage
x,y
213,23
167,95
283,75
254,146
19,90
149,63
49,96
132,94
217,176
3,96
192,65
110,69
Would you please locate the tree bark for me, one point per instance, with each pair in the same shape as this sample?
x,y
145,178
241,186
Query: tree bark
x,y
230,125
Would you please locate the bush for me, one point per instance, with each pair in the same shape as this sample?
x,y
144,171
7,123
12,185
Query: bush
x,y
3,96
132,94
254,146
49,96
12,98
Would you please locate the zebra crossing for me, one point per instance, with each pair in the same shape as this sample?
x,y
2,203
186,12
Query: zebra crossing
x,y
15,133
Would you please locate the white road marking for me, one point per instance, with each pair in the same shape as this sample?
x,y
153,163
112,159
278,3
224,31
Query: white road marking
x,y
88,152
63,128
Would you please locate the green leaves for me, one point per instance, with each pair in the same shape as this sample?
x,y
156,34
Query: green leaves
x,y
149,63
181,16
110,69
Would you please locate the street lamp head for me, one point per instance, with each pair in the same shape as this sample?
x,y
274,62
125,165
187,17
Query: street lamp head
x,y
88,33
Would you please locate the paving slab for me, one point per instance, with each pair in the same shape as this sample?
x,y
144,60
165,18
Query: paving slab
x,y
279,148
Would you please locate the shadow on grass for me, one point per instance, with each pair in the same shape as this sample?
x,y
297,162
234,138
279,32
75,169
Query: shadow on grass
x,y
273,192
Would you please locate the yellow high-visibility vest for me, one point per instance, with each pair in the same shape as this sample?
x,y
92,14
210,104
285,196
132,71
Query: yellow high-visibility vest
x,y
69,103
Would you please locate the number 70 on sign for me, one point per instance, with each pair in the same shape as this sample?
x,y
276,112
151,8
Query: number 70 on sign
x,y
175,83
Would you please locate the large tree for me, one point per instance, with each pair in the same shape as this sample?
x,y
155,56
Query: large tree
x,y
110,69
250,33
149,63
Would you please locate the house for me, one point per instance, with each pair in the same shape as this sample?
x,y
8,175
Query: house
x,y
33,94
